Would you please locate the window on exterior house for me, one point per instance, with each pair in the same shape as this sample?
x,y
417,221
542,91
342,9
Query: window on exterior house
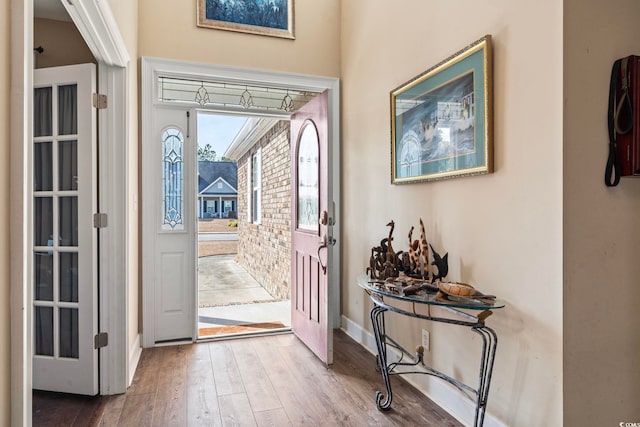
x,y
254,187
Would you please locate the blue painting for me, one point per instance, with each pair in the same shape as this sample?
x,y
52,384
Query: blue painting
x,y
441,121
266,17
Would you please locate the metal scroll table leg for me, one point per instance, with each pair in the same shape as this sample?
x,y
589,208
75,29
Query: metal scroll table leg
x,y
377,321
489,344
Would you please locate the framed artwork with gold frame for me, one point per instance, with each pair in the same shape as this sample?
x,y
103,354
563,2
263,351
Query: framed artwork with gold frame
x,y
442,120
264,17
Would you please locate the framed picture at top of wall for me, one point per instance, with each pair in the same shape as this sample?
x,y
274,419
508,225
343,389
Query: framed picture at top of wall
x,y
264,17
441,121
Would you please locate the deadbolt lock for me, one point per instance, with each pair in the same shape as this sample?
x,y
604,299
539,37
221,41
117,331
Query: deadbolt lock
x,y
324,218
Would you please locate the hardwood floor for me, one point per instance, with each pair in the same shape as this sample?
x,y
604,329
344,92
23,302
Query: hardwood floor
x,y
260,381
57,409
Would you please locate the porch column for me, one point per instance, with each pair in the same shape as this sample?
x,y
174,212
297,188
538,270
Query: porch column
x,y
220,206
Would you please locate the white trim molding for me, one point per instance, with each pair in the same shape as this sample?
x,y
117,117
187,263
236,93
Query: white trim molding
x,y
99,29
20,180
114,253
134,357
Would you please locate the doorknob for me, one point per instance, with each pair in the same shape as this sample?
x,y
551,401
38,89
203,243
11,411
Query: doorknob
x,y
322,244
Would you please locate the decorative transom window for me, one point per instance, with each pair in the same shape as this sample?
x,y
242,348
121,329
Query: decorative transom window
x,y
206,93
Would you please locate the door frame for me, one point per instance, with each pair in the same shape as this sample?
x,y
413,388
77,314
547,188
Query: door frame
x,y
154,67
98,27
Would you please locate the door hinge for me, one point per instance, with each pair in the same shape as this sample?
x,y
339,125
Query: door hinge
x,y
99,101
99,220
100,340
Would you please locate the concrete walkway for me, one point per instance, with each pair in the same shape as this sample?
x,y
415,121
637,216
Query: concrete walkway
x,y
229,295
222,281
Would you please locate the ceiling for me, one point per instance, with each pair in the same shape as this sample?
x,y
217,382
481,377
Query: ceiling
x,y
50,9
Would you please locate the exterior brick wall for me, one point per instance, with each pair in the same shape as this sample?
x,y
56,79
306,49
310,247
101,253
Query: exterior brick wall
x,y
264,250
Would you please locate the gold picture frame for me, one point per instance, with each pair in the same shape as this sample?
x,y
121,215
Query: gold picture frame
x,y
273,18
442,120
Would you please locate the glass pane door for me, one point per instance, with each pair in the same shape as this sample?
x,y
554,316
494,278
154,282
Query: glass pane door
x,y
55,227
308,179
64,242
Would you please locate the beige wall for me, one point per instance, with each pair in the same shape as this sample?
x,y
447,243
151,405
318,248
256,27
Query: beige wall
x,y
503,231
5,347
168,30
601,225
62,44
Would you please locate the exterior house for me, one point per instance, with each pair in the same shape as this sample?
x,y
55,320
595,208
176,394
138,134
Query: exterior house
x,y
262,150
217,189
542,232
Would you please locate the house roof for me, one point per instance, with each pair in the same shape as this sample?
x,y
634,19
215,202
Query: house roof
x,y
211,172
249,135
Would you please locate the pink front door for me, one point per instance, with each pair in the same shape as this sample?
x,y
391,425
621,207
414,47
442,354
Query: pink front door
x,y
309,296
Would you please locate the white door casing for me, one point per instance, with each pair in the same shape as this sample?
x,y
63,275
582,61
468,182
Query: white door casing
x,y
152,69
169,221
64,245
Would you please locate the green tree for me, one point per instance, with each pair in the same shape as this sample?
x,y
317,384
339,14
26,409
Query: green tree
x,y
206,153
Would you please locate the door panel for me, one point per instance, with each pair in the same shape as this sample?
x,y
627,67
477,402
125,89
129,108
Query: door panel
x,y
309,296
170,220
171,297
64,245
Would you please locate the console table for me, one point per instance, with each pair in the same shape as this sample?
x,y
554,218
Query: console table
x,y
383,301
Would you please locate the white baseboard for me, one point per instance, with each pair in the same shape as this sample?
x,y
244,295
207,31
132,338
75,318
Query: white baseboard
x,y
441,393
134,357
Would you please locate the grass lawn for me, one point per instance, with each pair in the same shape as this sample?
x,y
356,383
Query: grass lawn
x,y
217,248
216,225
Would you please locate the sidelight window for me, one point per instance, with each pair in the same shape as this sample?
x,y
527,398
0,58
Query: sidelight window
x,y
172,179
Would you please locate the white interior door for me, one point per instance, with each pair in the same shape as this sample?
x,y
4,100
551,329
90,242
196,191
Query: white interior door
x,y
64,244
169,221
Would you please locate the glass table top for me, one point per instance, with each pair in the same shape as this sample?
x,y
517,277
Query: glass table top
x,y
428,297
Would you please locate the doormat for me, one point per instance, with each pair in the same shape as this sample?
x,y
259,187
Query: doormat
x,y
239,329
